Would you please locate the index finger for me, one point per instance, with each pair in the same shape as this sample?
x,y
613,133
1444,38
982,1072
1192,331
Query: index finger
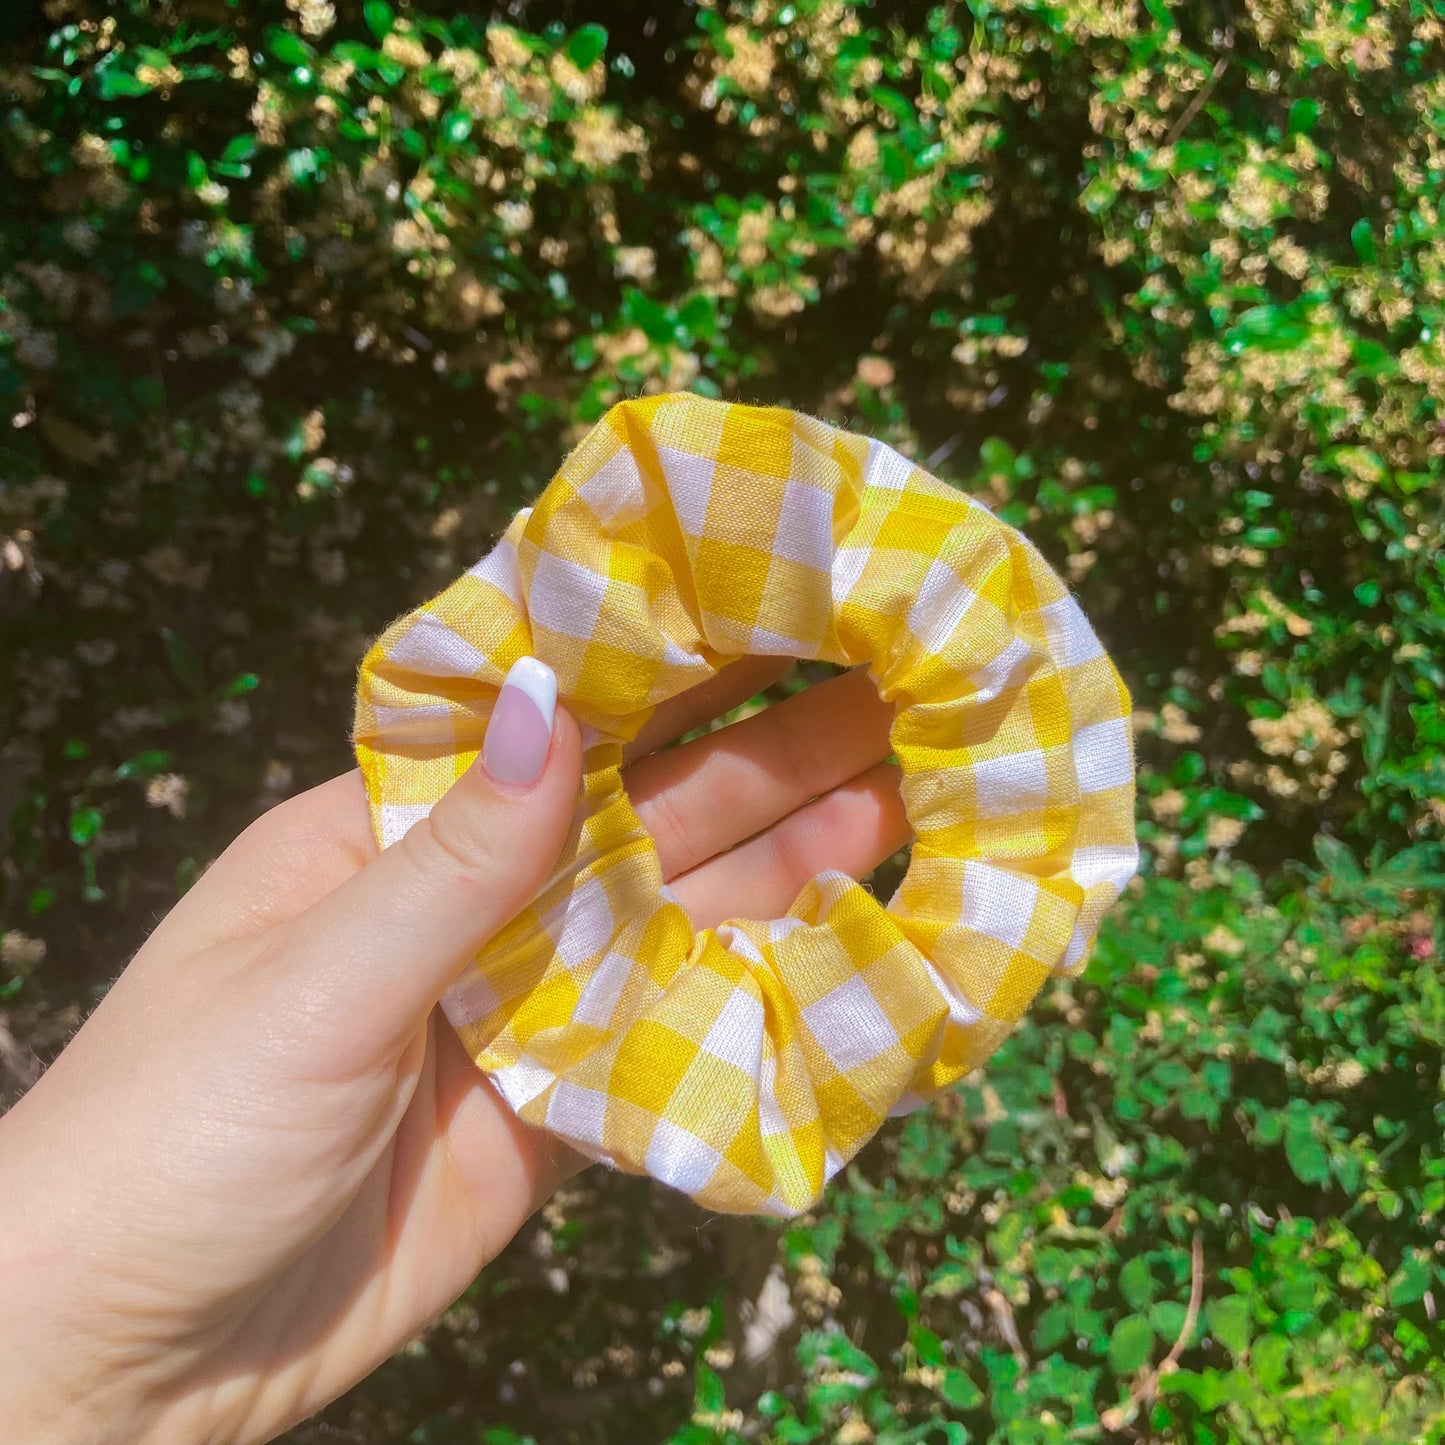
x,y
732,687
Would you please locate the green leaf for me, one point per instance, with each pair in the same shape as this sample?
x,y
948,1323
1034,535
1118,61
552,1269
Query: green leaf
x,y
116,84
656,322
926,1345
1167,1317
1307,1156
1374,359
1302,116
1053,1327
1265,328
289,49
363,57
711,1397
895,103
1136,1283
1130,1344
1268,1357
1413,1340
1411,1280
144,765
996,455
1337,860
85,823
959,1390
241,684
1362,238
239,149
1228,1321
699,315
587,46
378,18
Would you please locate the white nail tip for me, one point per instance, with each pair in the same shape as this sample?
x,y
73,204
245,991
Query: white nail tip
x,y
538,682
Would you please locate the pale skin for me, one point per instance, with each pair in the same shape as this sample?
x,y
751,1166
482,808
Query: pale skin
x,y
265,1162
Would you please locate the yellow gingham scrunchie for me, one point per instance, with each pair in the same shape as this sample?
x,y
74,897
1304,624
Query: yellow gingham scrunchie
x,y
746,1064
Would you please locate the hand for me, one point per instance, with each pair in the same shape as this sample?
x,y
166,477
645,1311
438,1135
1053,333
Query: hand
x,y
265,1162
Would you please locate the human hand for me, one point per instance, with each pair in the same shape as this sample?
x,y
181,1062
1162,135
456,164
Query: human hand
x,y
265,1161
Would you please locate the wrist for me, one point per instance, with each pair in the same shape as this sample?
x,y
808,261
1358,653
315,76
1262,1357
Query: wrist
x,y
58,1383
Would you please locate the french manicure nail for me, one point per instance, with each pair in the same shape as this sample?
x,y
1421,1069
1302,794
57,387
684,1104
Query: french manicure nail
x,y
520,730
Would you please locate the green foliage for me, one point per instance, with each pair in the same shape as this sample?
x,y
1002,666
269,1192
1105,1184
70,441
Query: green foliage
x,y
298,300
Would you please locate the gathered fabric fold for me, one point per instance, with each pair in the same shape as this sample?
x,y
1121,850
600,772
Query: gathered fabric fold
x,y
746,1064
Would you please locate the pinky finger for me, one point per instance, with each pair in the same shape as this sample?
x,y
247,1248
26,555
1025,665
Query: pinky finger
x,y
852,829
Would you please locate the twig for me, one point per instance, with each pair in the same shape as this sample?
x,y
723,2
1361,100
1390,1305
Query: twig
x,y
1007,1325
1191,1315
1147,1385
942,453
1205,91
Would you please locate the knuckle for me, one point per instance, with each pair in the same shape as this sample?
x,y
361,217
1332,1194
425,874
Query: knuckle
x,y
445,845
672,827
797,734
795,766
799,848
262,833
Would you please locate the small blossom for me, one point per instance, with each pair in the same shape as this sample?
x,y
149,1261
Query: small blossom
x,y
636,263
1168,805
1223,832
405,49
315,17
20,953
232,716
169,791
875,371
1221,940
515,216
1176,727
507,49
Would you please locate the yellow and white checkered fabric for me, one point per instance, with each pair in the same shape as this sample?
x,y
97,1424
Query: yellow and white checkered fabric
x,y
745,1065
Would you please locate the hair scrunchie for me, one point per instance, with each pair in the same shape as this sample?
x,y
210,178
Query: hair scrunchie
x,y
746,1064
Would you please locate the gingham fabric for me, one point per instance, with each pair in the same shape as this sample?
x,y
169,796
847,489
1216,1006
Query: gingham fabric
x,y
745,1065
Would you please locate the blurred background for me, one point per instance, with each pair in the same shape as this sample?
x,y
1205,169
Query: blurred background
x,y
299,301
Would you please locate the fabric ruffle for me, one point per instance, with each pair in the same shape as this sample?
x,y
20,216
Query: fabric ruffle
x,y
746,1064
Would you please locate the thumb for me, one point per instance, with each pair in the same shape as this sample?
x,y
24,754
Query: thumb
x,y
381,949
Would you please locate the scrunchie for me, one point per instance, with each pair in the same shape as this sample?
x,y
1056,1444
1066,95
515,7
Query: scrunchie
x,y
746,1064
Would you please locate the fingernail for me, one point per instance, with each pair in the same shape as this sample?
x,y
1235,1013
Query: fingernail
x,y
520,730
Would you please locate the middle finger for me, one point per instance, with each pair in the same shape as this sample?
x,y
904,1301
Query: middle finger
x,y
700,799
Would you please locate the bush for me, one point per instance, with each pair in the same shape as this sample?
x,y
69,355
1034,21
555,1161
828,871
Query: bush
x,y
298,301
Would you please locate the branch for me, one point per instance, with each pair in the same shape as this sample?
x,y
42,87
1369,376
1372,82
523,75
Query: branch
x,y
1205,91
1147,1385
